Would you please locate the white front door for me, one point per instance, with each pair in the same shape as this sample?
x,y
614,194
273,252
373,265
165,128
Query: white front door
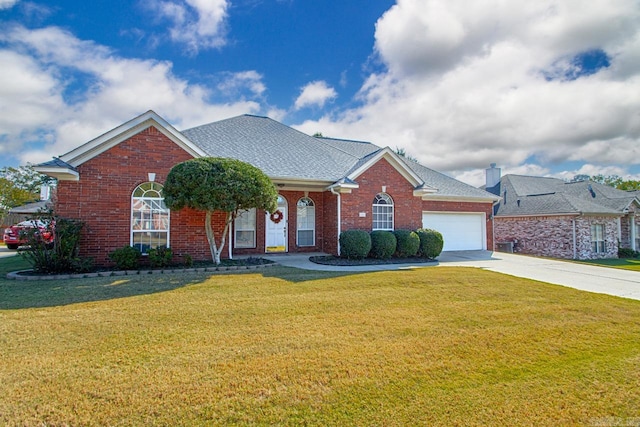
x,y
276,238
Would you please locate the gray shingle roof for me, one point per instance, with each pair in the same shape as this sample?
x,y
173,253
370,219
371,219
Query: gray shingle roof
x,y
283,152
277,149
447,186
56,162
529,195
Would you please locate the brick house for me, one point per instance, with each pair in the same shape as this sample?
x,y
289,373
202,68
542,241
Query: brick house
x,y
114,184
573,220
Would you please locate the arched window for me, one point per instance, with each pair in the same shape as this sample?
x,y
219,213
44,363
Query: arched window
x,y
149,218
382,212
306,222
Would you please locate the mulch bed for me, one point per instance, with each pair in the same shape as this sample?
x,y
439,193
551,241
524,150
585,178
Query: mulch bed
x,y
332,260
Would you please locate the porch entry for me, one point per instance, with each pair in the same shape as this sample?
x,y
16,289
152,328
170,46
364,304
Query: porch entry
x,y
276,228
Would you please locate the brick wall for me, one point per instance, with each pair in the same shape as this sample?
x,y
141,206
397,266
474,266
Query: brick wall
x,y
102,197
552,236
407,207
625,227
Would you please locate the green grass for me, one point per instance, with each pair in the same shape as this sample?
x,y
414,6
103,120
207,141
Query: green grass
x,y
622,263
433,346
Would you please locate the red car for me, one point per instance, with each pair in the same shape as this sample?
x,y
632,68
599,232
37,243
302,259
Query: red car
x,y
15,236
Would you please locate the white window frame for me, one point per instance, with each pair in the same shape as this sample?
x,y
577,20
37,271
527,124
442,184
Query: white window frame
x,y
383,206
245,222
153,213
598,245
308,207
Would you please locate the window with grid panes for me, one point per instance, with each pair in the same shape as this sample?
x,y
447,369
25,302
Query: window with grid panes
x,y
306,222
149,218
382,212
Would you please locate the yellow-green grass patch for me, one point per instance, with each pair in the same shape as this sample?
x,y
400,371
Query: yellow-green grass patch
x,y
622,263
433,346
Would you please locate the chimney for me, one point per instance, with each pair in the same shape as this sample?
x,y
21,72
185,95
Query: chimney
x,y
493,176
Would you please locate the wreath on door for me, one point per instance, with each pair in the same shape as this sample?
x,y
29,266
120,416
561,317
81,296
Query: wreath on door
x,y
276,216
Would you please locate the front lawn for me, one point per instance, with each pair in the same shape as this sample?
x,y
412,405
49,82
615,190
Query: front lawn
x,y
432,346
623,263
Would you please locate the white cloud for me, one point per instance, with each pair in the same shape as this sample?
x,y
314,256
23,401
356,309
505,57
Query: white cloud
x,y
465,85
315,93
35,107
7,4
198,24
234,82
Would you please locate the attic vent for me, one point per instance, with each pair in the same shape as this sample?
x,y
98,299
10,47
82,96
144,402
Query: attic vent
x,y
518,202
504,197
590,188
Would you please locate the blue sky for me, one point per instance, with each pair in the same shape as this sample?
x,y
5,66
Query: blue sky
x,y
542,88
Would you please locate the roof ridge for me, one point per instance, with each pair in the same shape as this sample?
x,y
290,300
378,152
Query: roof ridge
x,y
320,139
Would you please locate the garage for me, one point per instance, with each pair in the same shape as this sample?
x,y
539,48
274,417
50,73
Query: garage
x,y
460,231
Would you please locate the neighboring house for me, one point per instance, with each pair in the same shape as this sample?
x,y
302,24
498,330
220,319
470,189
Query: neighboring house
x,y
552,217
24,212
326,185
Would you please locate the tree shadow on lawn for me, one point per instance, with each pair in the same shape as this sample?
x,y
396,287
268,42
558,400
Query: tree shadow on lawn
x,y
20,294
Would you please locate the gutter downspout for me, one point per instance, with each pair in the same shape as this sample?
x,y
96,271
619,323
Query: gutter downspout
x,y
334,192
575,250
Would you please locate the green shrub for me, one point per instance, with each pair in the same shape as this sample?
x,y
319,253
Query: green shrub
x,y
126,257
383,244
188,260
627,253
160,256
355,244
60,256
431,243
408,243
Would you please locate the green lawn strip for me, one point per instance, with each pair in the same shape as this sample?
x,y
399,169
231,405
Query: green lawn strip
x,y
622,263
431,346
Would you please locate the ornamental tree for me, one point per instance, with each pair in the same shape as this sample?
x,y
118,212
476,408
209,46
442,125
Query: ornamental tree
x,y
213,184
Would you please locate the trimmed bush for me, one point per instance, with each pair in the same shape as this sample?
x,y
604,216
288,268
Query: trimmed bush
x,y
383,244
431,243
126,258
60,256
627,253
355,244
408,243
160,257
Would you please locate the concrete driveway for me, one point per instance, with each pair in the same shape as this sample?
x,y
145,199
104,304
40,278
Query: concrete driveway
x,y
604,280
611,281
6,252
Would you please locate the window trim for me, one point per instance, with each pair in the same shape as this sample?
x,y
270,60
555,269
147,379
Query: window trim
x,y
298,228
157,189
390,204
236,229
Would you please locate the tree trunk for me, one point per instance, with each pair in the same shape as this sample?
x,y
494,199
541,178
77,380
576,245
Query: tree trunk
x,y
216,251
211,238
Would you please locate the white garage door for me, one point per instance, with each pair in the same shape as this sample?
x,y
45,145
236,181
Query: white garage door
x,y
460,231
